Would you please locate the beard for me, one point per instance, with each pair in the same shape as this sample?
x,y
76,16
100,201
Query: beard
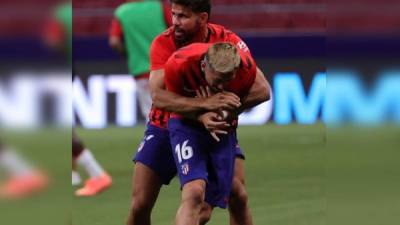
x,y
184,37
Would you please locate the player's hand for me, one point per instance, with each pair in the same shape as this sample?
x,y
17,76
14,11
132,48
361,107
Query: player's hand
x,y
228,100
204,92
213,123
222,100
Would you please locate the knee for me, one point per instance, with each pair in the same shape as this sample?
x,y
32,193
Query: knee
x,y
140,205
239,194
193,194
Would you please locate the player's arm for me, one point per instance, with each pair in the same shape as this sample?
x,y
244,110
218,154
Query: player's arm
x,y
163,99
115,39
259,92
174,102
167,100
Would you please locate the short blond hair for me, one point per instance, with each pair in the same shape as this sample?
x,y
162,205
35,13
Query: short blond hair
x,y
223,57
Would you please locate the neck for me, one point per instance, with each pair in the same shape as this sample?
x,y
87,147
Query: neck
x,y
201,35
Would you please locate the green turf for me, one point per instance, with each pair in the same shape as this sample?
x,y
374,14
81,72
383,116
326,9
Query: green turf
x,y
284,172
362,179
49,150
296,175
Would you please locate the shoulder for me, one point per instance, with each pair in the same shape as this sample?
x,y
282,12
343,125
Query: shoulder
x,y
126,8
217,31
247,65
122,9
63,10
162,47
216,27
246,75
165,38
164,42
220,31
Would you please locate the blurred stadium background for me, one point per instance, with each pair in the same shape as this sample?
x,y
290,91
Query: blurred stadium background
x,y
298,171
284,164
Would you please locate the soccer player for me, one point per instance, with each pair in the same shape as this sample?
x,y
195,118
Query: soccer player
x,y
23,179
98,180
133,28
58,36
154,162
206,166
58,30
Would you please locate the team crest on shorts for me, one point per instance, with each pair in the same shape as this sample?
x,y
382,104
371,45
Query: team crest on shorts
x,y
146,138
185,168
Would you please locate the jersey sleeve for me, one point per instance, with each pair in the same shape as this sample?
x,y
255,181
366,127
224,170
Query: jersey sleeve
x,y
249,76
116,29
159,53
172,76
238,42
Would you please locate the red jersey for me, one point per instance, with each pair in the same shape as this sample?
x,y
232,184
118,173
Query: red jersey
x,y
164,46
183,74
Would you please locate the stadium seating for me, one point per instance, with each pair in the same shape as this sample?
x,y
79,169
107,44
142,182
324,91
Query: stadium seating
x,y
92,17
259,17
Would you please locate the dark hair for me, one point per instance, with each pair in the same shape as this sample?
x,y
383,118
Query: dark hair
x,y
197,6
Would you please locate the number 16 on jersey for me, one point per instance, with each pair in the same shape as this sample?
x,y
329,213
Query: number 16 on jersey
x,y
183,152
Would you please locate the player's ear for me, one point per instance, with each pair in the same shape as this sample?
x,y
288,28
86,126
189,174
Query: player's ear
x,y
203,17
203,65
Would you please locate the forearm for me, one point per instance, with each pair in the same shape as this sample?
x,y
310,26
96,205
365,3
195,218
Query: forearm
x,y
172,102
251,101
169,101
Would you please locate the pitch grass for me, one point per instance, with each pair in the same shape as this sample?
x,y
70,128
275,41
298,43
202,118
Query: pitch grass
x,y
284,175
296,175
50,151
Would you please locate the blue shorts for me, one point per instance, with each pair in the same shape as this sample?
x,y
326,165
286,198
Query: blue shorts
x,y
198,156
155,152
239,152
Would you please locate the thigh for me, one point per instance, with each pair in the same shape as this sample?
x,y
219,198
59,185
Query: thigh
x,y
222,157
146,184
190,153
155,152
